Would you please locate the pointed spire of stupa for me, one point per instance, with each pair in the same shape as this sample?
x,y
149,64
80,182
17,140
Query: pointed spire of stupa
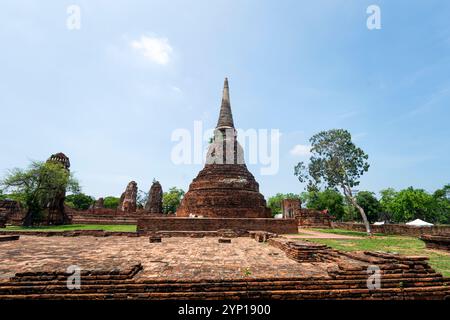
x,y
225,116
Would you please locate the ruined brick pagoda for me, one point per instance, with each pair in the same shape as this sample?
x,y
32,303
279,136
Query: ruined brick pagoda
x,y
155,198
128,199
224,188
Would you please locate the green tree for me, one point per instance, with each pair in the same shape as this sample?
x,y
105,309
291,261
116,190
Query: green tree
x,y
329,199
111,202
172,199
336,162
79,201
350,212
37,185
386,201
442,198
274,202
370,204
410,204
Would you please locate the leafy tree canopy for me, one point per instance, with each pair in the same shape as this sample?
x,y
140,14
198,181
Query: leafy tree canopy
x,y
335,162
79,201
410,204
111,202
172,199
370,204
329,199
37,185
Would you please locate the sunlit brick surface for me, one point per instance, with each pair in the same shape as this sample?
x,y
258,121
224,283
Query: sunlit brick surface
x,y
174,258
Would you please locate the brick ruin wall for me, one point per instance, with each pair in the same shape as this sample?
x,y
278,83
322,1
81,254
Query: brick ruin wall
x,y
10,211
110,216
281,226
101,233
312,218
398,229
436,242
292,208
91,216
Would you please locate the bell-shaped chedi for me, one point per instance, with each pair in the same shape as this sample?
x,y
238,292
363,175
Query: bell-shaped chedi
x,y
225,187
128,199
55,210
60,158
155,198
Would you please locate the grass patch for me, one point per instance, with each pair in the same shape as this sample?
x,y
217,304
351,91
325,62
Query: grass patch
x,y
399,244
71,227
345,232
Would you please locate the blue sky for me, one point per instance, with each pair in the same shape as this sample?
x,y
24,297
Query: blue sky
x,y
110,99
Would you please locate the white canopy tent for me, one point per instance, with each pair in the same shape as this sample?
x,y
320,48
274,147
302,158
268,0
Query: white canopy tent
x,y
419,223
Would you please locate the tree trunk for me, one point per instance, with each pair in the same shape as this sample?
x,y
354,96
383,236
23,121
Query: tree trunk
x,y
363,215
28,220
348,194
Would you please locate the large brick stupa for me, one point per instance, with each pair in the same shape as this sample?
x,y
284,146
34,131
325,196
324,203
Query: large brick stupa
x,y
224,188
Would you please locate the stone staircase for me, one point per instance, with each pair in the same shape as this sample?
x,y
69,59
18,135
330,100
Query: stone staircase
x,y
116,284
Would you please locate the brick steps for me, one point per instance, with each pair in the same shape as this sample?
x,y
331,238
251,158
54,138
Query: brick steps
x,y
389,294
87,218
141,288
254,288
73,233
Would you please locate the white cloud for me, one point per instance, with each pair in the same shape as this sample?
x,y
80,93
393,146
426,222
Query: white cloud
x,y
157,50
176,89
301,150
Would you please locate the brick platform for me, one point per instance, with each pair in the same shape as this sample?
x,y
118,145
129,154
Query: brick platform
x,y
110,216
280,226
310,218
180,268
440,242
174,258
73,233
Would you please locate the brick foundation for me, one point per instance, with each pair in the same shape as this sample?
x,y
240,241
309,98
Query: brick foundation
x,y
306,218
110,216
312,218
302,251
73,233
281,226
440,242
402,278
